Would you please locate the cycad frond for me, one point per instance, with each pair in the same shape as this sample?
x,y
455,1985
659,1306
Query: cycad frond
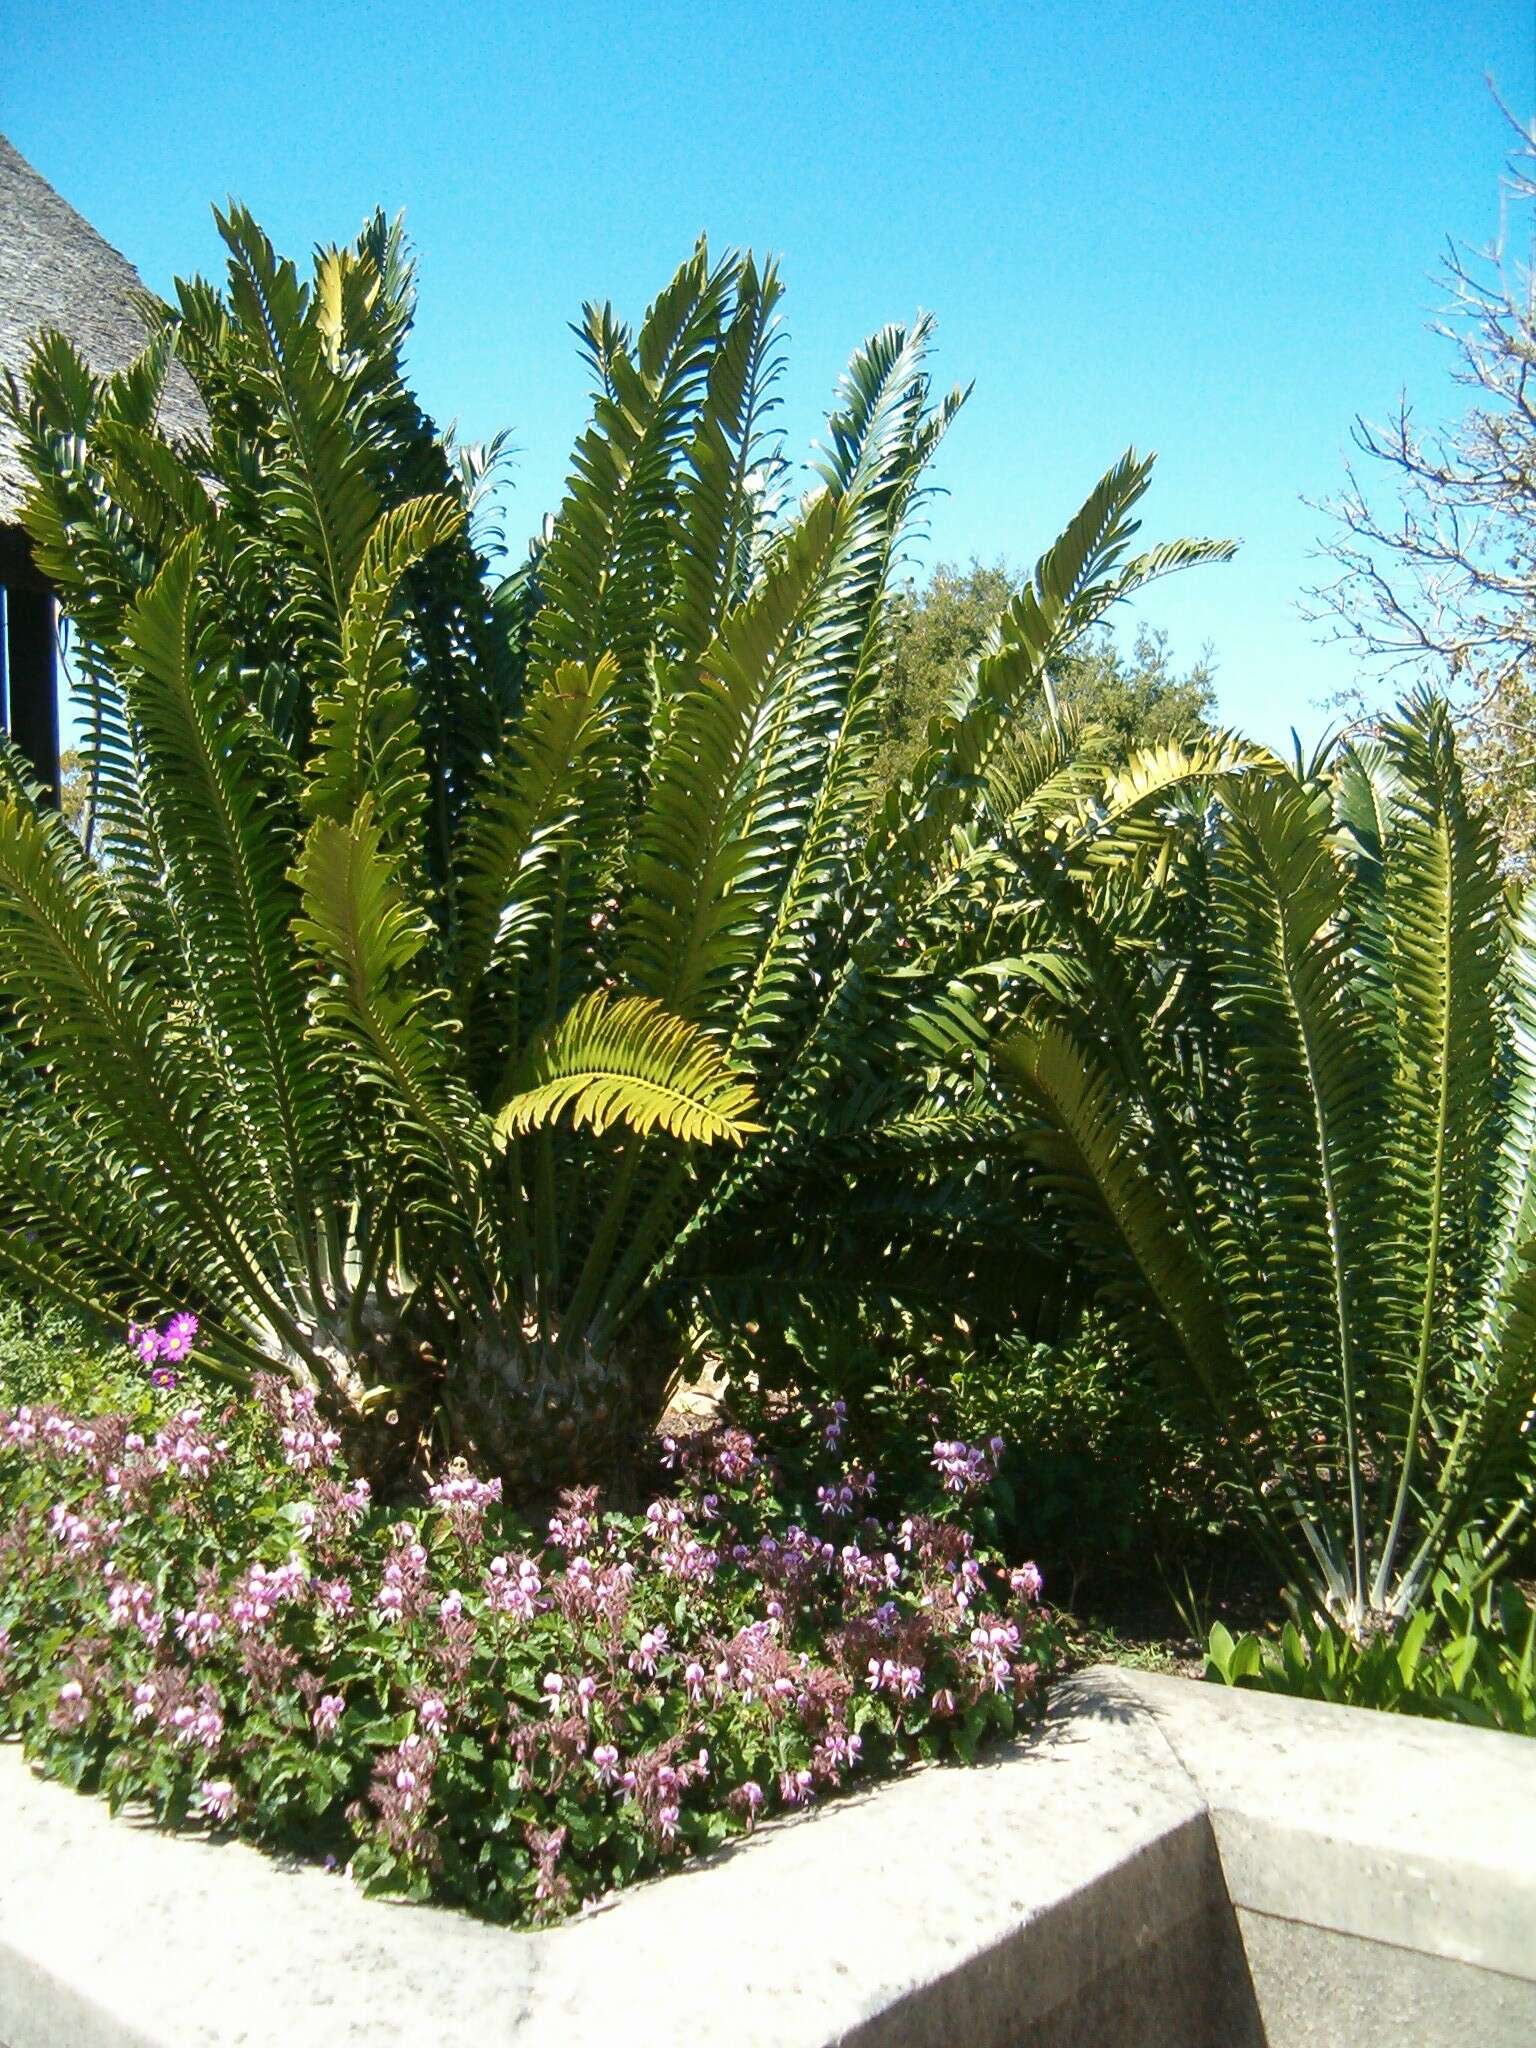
x,y
533,799
1090,1154
220,794
1443,907
83,991
1071,585
714,497
321,502
374,1021
625,1060
367,738
694,859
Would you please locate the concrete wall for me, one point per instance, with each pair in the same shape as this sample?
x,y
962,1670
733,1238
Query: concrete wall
x,y
1162,1863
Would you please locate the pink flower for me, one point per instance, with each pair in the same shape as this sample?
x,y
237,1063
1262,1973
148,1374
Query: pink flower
x,y
216,1800
652,1645
1027,1583
309,1444
326,1718
464,1499
77,1533
72,1706
201,1726
992,1650
144,1342
135,1603
335,1596
966,1468
605,1763
432,1712
797,1788
178,1338
21,1427
196,1627
747,1800
185,1444
513,1586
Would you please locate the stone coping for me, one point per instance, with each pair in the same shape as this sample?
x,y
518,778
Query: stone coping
x,y
1045,1895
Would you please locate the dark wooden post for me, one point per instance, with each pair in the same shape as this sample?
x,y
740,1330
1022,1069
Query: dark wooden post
x,y
31,661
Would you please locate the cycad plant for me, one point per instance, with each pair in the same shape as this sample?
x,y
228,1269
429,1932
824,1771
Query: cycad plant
x,y
457,985
1288,1097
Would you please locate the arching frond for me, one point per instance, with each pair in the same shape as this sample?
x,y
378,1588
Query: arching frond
x,y
375,1022
625,1060
220,794
367,739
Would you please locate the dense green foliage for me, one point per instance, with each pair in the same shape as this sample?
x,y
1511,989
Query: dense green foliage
x,y
1098,1481
456,993
1288,1080
478,1003
1468,1654
937,633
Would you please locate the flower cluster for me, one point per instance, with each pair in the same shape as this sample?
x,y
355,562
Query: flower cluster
x,y
208,1612
163,1346
967,1468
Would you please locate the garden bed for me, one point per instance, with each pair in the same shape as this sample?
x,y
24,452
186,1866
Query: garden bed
x,y
1159,1863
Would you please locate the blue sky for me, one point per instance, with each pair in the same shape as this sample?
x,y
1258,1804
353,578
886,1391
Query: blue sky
x,y
1208,231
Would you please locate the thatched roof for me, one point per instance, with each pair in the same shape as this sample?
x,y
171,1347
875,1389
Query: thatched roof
x,y
56,271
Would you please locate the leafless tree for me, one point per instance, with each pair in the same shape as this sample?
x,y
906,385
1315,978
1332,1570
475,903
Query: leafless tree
x,y
1434,532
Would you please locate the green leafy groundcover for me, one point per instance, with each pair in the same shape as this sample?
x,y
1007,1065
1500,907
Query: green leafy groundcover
x,y
202,1610
1468,1654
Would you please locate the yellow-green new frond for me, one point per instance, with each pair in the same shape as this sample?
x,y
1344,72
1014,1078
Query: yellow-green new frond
x,y
367,737
625,1060
374,1019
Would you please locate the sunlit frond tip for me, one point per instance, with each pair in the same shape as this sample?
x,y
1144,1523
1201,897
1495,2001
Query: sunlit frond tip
x,y
626,1060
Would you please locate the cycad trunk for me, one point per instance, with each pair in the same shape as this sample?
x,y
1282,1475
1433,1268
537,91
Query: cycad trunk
x,y
544,1418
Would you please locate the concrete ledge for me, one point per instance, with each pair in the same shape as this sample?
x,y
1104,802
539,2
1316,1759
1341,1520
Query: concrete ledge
x,y
1162,1863
1382,1869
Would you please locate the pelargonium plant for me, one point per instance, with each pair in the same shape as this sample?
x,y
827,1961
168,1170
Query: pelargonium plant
x,y
205,1612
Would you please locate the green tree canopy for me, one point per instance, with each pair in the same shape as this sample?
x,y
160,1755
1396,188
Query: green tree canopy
x,y
1139,697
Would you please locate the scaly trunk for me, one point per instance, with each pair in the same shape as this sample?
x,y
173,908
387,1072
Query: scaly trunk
x,y
559,1421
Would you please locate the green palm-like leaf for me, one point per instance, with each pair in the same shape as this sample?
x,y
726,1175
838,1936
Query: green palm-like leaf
x,y
602,570
374,1020
321,501
1089,1152
625,1060
367,738
82,991
1074,582
219,793
695,858
1443,906
1294,1062
715,498
511,858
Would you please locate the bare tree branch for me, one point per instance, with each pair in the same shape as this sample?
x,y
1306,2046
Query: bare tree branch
x,y
1433,538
